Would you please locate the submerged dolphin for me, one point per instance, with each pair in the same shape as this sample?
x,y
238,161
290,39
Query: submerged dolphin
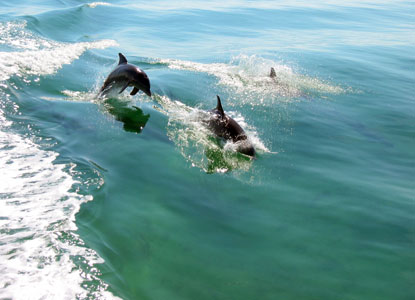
x,y
125,75
225,127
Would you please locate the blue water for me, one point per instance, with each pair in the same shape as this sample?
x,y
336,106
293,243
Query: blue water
x,y
131,197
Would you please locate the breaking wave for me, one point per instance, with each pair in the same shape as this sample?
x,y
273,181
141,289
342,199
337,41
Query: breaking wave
x,y
37,56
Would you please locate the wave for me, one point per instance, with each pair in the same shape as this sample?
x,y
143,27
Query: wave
x,y
37,225
41,256
37,56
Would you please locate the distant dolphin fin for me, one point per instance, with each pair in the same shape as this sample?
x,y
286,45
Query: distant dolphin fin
x,y
123,60
272,74
220,108
134,91
124,87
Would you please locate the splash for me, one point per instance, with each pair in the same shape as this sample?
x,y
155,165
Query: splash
x,y
186,128
249,76
94,97
78,96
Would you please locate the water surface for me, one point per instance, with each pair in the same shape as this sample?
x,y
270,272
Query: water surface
x,y
132,198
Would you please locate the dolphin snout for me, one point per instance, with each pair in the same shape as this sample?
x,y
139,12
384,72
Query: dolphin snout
x,y
250,151
246,147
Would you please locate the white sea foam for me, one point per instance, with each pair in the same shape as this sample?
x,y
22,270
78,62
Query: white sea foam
x,y
36,55
37,208
95,4
14,36
41,256
45,61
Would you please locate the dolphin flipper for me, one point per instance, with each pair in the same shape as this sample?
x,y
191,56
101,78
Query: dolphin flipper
x,y
124,87
123,60
134,91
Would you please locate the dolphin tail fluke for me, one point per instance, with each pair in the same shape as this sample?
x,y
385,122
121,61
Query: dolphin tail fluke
x,y
134,91
123,60
272,74
219,107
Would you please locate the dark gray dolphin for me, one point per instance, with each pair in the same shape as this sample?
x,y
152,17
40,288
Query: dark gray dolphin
x,y
225,127
272,74
125,75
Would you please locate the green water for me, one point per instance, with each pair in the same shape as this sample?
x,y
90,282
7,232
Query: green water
x,y
130,197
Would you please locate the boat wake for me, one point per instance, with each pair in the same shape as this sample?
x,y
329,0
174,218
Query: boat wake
x,y
41,255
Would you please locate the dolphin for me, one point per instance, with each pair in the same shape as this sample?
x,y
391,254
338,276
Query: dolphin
x,y
125,75
272,74
227,128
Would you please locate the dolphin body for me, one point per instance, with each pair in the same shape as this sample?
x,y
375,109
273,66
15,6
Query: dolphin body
x,y
125,75
227,128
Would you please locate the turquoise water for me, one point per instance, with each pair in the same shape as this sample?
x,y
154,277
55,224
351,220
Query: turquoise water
x,y
131,198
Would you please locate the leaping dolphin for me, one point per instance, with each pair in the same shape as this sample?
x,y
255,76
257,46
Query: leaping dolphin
x,y
225,127
125,75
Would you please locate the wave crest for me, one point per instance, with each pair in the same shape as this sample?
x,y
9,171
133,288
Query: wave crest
x,y
36,55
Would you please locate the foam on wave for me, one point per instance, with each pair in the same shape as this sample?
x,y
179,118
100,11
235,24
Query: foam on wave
x,y
95,4
37,56
37,223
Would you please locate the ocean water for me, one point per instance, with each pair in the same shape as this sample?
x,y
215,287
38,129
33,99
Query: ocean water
x,y
130,197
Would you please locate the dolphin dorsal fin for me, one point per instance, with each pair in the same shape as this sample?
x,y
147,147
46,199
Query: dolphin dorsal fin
x,y
272,74
123,60
220,108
